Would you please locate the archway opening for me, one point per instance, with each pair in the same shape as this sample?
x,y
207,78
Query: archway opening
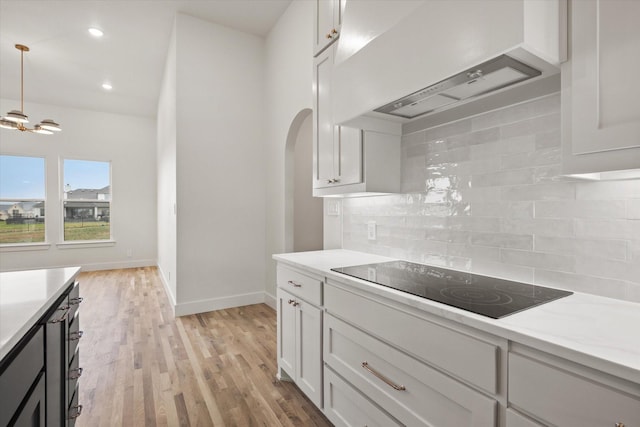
x,y
303,212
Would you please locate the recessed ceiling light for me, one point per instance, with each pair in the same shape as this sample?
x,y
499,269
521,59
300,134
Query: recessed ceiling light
x,y
96,32
107,86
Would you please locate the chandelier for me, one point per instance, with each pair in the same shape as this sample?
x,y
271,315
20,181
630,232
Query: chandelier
x,y
16,119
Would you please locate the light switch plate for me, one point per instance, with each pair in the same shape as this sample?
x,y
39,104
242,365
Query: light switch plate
x,y
371,230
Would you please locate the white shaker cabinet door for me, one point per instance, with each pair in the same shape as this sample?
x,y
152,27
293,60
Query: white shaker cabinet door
x,y
600,91
286,334
309,351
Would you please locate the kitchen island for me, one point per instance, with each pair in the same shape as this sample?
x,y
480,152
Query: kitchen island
x,y
39,332
572,361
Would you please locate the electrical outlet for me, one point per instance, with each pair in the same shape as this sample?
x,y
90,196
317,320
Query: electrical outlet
x,y
371,230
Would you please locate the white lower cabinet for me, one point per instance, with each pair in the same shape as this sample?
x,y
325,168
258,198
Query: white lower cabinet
x,y
409,390
560,393
300,344
346,407
516,419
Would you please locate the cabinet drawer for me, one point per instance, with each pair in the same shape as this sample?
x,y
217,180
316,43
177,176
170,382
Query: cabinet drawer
x,y
409,390
75,409
74,300
75,372
301,285
19,374
565,399
515,419
344,406
74,336
473,360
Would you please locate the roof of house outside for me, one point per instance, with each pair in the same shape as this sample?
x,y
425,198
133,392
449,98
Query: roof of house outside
x,y
88,193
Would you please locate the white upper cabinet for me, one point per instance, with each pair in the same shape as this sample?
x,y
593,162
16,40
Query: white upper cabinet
x,y
600,91
426,42
326,26
348,160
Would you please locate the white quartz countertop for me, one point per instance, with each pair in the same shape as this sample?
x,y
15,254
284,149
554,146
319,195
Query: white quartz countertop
x,y
602,333
25,296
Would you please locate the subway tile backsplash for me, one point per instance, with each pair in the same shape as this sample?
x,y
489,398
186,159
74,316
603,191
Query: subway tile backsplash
x,y
485,195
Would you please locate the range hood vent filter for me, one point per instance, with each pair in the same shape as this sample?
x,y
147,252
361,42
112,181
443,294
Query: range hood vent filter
x,y
487,77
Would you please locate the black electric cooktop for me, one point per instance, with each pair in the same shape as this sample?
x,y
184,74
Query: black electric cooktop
x,y
484,295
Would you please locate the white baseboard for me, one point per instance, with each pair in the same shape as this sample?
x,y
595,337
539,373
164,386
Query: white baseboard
x,y
119,265
213,304
270,300
167,290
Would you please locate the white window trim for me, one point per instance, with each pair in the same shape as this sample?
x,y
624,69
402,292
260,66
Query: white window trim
x,y
20,247
75,244
78,244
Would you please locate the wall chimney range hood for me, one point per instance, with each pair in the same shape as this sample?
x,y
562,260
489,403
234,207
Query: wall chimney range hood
x,y
482,79
432,62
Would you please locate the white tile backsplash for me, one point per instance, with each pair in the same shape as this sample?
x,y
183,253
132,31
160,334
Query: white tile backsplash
x,y
486,194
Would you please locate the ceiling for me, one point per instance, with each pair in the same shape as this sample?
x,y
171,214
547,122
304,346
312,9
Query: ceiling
x,y
67,66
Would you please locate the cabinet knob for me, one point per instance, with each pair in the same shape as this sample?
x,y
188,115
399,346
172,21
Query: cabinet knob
x,y
334,32
329,36
74,374
291,301
76,336
78,411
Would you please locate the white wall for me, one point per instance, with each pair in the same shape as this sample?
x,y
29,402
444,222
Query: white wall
x,y
220,167
289,65
129,144
166,176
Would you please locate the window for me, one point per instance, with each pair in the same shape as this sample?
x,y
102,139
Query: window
x,y
22,198
86,200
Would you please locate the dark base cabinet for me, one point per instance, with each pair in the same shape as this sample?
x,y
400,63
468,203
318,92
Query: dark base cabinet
x,y
39,376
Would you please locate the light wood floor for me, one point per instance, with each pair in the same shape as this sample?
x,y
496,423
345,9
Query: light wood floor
x,y
143,367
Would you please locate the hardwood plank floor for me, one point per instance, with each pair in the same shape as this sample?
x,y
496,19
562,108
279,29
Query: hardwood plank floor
x,y
143,367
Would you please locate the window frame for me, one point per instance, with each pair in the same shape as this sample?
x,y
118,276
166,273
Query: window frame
x,y
25,246
67,244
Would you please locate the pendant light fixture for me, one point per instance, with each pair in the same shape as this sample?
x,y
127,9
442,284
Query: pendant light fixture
x,y
16,119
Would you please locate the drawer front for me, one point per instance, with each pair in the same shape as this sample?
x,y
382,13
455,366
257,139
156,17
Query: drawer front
x,y
20,374
74,300
469,358
409,390
301,285
75,409
346,407
75,372
515,419
74,336
565,399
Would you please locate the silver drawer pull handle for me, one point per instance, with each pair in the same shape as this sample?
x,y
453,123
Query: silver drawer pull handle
x,y
78,409
294,284
76,375
76,336
386,380
76,301
64,315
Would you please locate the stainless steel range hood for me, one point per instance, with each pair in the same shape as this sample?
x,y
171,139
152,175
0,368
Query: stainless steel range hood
x,y
482,79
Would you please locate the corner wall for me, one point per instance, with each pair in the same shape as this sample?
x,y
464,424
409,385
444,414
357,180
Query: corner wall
x,y
219,167
288,79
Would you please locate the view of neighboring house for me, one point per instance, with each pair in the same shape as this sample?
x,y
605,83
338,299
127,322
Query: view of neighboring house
x,y
21,210
87,203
